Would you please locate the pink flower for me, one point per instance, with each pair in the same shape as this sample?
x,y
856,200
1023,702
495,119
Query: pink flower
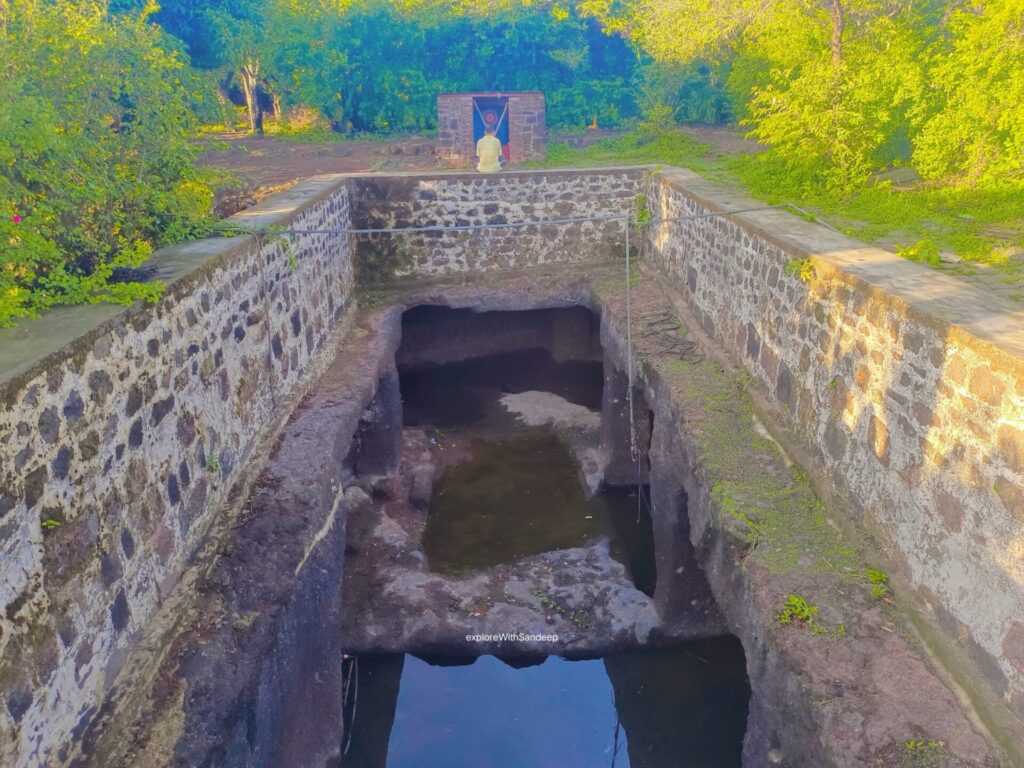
x,y
16,219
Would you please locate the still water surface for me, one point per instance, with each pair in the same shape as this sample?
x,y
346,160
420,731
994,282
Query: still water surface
x,y
681,707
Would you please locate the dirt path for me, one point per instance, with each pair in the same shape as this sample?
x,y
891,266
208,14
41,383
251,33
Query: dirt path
x,y
263,165
726,139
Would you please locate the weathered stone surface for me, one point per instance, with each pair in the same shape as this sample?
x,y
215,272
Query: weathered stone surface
x,y
73,407
120,613
1013,646
49,425
100,385
394,603
161,409
95,395
913,406
62,463
619,465
447,200
878,439
845,695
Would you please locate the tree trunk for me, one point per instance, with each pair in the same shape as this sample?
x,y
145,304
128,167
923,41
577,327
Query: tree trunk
x,y
838,25
250,70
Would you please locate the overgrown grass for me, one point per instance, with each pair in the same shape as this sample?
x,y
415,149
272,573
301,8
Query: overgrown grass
x,y
980,224
983,226
305,134
635,148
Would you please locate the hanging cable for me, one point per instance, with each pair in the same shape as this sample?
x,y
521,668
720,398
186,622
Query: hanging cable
x,y
665,335
616,746
663,329
634,451
629,348
350,684
227,228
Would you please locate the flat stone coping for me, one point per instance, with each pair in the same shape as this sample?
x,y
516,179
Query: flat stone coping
x,y
602,170
929,294
33,345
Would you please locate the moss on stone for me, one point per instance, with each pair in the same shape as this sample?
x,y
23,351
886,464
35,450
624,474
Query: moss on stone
x,y
753,493
774,510
922,753
383,258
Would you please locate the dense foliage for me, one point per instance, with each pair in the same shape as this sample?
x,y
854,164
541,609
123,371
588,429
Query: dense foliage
x,y
102,97
95,154
975,128
839,89
377,65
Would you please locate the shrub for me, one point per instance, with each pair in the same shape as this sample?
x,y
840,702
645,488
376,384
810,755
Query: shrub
x,y
95,161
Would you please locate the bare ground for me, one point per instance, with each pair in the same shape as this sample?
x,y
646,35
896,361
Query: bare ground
x,y
262,165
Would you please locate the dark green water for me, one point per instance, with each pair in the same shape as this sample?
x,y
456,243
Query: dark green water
x,y
681,707
521,494
466,393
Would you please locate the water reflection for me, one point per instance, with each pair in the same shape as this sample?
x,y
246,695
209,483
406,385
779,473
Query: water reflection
x,y
467,393
682,707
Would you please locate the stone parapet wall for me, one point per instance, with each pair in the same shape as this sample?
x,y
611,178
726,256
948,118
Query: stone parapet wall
x,y
119,445
907,385
468,199
122,431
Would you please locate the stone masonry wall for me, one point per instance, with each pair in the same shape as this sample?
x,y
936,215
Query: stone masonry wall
x,y
465,199
526,123
527,127
121,431
119,447
907,385
455,128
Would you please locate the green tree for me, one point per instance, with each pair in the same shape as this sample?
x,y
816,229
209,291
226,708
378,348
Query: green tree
x,y
242,42
835,109
977,130
377,65
95,155
223,37
693,93
828,84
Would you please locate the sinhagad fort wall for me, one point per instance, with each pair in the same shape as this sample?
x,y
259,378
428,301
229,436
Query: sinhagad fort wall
x,y
124,432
